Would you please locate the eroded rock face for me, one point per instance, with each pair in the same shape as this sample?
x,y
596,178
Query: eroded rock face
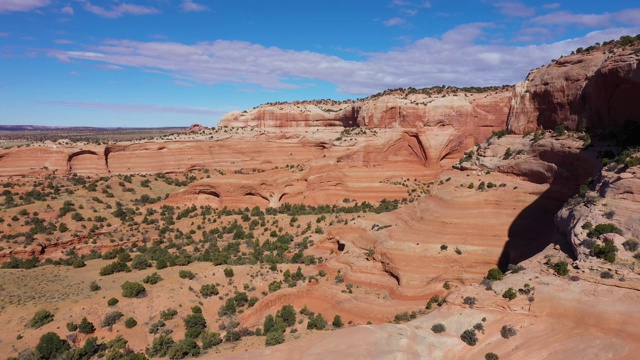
x,y
595,90
481,113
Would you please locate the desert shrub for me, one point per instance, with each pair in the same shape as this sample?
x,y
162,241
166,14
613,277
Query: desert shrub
x,y
559,130
111,318
186,274
152,279
469,337
478,326
78,263
337,322
515,268
561,268
94,286
114,267
588,244
606,275
630,245
155,327
194,324
438,328
275,286
210,339
317,322
491,356
288,315
601,229
274,338
507,331
606,251
168,314
208,290
470,300
86,327
71,326
510,294
495,274
132,289
228,272
40,318
51,346
112,302
160,346
130,323
140,262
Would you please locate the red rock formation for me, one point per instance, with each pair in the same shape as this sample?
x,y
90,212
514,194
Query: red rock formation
x,y
597,89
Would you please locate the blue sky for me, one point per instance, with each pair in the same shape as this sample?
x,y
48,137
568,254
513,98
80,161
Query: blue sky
x,y
145,63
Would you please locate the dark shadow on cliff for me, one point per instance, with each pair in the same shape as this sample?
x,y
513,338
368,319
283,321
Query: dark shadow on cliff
x,y
533,229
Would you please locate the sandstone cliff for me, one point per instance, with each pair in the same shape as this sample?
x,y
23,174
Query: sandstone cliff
x,y
592,90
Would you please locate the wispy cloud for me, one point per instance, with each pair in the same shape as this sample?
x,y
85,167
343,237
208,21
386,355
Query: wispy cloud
x,y
5,34
515,9
448,59
67,10
22,5
394,21
183,83
551,6
119,10
190,6
408,3
63,41
109,67
136,108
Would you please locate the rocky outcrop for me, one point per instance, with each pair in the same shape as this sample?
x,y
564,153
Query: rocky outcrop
x,y
483,112
594,90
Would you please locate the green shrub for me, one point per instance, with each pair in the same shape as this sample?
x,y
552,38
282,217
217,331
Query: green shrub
x,y
491,356
86,327
606,275
337,322
51,346
132,289
168,314
495,274
317,322
130,323
274,338
112,302
210,339
194,324
469,337
71,326
438,328
228,272
560,130
507,331
561,268
152,279
111,318
40,318
78,263
186,274
630,245
94,286
160,346
601,229
607,251
510,294
208,290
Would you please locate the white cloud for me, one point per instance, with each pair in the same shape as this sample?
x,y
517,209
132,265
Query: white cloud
x,y
455,58
138,108
189,5
63,41
407,3
119,10
394,21
551,6
4,34
22,5
565,18
515,9
67,10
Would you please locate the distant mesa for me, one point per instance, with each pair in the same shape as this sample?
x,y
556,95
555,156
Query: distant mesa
x,y
194,128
